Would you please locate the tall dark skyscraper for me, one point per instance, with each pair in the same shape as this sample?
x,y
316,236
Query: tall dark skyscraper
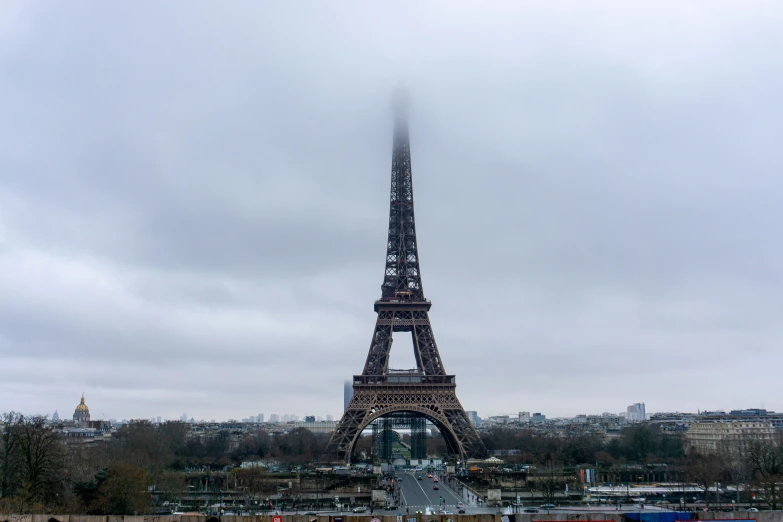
x,y
347,394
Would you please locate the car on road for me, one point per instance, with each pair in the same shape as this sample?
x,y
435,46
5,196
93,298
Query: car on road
x,y
435,487
531,510
435,479
547,506
360,509
429,475
753,510
310,513
418,478
461,510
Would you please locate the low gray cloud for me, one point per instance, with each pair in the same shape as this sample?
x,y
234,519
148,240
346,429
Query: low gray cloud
x,y
193,202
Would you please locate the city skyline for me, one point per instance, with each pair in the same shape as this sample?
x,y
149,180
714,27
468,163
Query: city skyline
x,y
272,417
194,221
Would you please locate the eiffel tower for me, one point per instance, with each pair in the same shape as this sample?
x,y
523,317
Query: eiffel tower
x,y
427,391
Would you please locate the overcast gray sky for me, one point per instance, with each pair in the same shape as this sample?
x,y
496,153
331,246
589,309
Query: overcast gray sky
x,y
194,201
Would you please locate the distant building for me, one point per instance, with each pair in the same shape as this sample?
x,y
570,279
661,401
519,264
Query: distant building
x,y
274,417
498,419
473,418
329,418
55,416
753,414
79,435
309,418
750,412
81,414
260,417
635,413
524,416
537,418
317,427
347,394
712,437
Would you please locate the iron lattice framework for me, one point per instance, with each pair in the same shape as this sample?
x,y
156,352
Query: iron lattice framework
x,y
384,436
418,438
427,392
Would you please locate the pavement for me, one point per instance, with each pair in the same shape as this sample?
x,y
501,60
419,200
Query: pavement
x,y
420,495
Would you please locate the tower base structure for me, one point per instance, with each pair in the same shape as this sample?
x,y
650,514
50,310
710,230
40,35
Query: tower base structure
x,y
434,398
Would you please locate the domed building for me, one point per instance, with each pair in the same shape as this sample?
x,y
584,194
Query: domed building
x,y
82,413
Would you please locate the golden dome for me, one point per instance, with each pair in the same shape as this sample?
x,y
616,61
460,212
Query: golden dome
x,y
82,406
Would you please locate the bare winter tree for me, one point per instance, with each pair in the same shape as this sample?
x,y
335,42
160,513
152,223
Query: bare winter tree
x,y
32,462
736,466
9,454
706,471
43,459
549,481
766,461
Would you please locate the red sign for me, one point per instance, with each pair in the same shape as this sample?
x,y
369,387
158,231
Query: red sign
x,y
277,519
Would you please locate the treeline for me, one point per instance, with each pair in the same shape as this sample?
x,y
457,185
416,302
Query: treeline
x,y
40,472
171,446
637,444
751,465
755,463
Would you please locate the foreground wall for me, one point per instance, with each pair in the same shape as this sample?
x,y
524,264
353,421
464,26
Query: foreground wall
x,y
762,516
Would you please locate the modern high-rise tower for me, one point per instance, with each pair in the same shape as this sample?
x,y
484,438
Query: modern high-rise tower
x,y
347,394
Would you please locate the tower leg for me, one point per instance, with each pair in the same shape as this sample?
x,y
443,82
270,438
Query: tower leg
x,y
418,438
438,404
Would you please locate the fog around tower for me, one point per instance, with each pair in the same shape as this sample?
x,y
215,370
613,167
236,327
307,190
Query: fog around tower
x,y
194,201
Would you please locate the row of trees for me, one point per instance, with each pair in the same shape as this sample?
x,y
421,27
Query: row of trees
x,y
758,463
642,443
40,472
754,463
169,446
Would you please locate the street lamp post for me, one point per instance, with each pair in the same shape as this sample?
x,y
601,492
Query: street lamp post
x,y
717,494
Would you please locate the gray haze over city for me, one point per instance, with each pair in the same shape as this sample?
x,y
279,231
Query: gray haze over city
x,y
194,201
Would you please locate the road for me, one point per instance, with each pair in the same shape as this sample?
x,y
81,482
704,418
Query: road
x,y
420,495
